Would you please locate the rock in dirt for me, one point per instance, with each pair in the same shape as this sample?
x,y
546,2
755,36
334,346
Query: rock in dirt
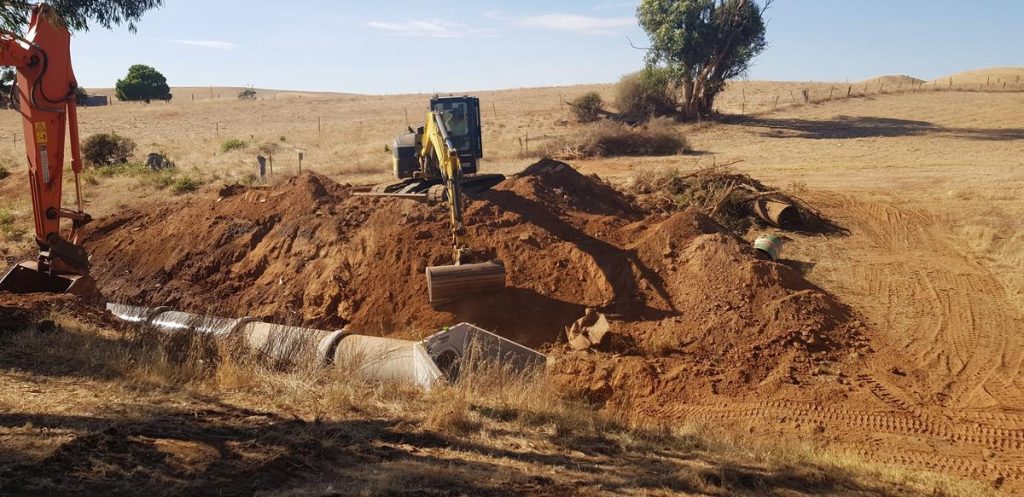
x,y
588,331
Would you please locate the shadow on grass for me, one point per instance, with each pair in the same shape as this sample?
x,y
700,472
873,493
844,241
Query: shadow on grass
x,y
847,127
236,452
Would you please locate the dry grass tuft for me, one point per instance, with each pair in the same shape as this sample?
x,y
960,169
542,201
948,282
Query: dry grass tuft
x,y
491,419
659,137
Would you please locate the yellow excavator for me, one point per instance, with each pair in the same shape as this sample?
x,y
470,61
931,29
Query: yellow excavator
x,y
438,163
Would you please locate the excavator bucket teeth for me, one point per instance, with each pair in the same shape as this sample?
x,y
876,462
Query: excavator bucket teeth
x,y
453,282
25,278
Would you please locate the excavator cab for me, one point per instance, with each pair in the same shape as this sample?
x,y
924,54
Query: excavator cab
x,y
461,116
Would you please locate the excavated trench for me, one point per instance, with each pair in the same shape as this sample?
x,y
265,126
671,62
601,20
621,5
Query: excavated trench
x,y
686,299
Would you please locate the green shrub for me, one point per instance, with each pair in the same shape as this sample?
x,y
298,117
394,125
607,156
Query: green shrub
x,y
8,228
645,94
587,107
6,220
232,144
610,139
247,94
107,149
185,184
4,173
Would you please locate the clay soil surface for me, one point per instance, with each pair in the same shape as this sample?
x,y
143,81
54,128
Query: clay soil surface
x,y
694,311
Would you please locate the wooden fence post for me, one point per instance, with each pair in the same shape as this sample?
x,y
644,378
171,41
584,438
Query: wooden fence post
x,y
776,106
318,128
849,90
830,90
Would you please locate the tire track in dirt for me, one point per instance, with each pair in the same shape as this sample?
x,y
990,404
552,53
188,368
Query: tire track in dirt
x,y
876,422
941,309
946,371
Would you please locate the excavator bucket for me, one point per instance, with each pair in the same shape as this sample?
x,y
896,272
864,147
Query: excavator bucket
x,y
26,278
456,281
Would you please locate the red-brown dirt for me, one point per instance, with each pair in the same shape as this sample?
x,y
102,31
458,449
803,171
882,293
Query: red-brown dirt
x,y
686,299
21,311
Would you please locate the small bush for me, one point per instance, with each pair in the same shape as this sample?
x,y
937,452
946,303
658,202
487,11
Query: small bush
x,y
107,149
4,173
232,144
587,107
185,184
247,94
8,227
6,220
610,139
268,148
645,94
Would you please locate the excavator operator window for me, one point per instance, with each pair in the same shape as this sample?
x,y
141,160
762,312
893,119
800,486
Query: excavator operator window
x,y
456,119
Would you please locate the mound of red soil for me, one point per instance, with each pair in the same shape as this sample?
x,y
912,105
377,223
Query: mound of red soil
x,y
679,290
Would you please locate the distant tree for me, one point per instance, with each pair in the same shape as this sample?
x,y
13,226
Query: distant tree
x,y
81,95
704,42
247,94
142,83
77,14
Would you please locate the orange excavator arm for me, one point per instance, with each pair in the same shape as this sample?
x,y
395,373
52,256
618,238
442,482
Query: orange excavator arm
x,y
46,88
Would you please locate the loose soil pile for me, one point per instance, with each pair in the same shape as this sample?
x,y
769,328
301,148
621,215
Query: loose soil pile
x,y
686,299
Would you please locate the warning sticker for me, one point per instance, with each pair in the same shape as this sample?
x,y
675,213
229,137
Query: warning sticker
x,y
41,133
45,163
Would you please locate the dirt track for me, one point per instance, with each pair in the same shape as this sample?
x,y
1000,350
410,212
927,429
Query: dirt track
x,y
943,389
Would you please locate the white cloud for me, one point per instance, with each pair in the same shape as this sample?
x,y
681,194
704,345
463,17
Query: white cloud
x,y
427,29
577,23
218,45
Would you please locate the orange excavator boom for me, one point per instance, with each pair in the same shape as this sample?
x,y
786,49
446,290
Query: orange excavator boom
x,y
46,89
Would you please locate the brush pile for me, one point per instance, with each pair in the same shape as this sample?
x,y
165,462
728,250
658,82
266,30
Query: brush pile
x,y
730,198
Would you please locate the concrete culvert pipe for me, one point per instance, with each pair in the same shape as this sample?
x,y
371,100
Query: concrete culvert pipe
x,y
368,357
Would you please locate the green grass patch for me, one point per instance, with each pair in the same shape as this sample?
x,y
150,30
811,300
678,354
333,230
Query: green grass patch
x,y
233,144
9,228
185,184
130,169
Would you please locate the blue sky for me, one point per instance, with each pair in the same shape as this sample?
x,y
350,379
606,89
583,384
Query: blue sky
x,y
459,45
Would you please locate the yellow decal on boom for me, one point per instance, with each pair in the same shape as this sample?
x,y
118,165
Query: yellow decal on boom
x,y
41,133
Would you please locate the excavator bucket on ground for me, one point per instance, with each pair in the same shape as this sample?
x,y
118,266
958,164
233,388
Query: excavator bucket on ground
x,y
26,278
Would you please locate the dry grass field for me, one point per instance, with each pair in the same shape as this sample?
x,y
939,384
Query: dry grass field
x,y
929,182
